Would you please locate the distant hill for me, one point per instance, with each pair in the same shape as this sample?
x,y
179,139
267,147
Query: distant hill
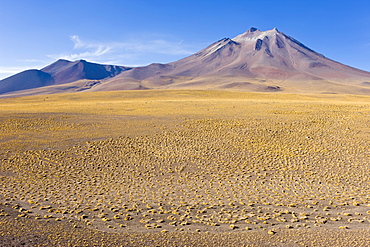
x,y
59,72
64,71
253,61
25,80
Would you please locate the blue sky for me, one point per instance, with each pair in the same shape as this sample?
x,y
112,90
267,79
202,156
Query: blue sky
x,y
35,33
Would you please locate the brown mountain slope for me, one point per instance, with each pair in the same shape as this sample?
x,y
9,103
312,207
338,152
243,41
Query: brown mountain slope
x,y
254,61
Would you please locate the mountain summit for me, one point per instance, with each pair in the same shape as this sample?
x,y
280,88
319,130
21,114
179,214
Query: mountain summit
x,y
268,55
247,60
253,61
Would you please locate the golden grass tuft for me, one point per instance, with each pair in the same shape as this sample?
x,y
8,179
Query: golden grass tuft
x,y
201,160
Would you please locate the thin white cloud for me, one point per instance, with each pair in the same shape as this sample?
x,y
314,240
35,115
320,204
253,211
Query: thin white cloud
x,y
93,50
31,61
78,43
128,52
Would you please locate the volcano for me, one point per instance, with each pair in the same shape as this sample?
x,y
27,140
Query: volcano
x,y
253,61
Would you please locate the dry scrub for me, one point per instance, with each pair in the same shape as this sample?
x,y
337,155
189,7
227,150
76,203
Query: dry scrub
x,y
233,162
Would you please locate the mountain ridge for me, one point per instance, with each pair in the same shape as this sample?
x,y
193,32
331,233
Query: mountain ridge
x,y
60,72
244,62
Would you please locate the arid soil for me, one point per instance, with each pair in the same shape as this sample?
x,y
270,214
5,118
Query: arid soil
x,y
185,168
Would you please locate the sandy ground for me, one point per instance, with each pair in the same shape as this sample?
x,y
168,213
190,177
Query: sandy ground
x,y
185,168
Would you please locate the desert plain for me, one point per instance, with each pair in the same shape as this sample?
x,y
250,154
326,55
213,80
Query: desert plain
x,y
185,168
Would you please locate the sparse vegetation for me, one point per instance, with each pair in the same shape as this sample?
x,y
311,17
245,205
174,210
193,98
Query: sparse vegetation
x,y
187,161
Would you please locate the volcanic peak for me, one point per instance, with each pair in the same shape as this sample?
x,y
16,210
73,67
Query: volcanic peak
x,y
254,34
252,29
